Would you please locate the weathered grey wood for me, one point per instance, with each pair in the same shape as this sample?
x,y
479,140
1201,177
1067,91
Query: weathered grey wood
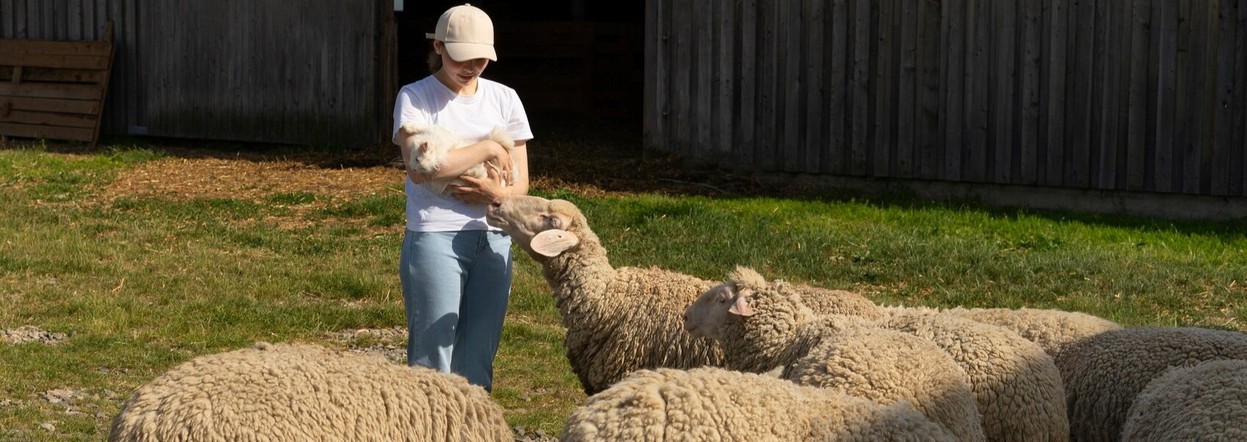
x,y
790,148
1057,43
814,19
906,100
1109,34
839,106
953,76
1137,120
859,134
1079,115
1031,48
1238,145
655,73
884,133
725,116
681,66
1167,99
73,20
703,83
1184,136
928,155
1003,109
978,116
1223,85
770,86
748,137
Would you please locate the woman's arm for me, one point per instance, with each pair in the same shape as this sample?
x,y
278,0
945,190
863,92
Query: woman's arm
x,y
484,191
458,161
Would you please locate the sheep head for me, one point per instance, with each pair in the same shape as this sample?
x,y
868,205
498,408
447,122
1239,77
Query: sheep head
x,y
543,227
706,316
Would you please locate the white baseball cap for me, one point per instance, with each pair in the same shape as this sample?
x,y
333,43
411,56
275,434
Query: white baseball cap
x,y
467,32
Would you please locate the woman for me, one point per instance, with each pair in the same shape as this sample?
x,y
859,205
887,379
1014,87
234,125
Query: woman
x,y
455,269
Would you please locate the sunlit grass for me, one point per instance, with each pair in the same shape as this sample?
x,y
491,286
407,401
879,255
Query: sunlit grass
x,y
143,283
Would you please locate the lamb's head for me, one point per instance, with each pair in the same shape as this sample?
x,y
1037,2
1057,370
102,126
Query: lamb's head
x,y
429,144
543,227
729,301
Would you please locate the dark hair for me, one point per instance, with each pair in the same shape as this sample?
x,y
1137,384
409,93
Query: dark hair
x,y
435,60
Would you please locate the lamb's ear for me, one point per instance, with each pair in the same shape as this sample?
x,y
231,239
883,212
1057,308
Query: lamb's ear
x,y
741,307
553,242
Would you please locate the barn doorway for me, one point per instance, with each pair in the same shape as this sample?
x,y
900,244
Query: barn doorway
x,y
569,56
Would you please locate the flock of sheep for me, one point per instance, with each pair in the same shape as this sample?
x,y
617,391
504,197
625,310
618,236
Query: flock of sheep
x,y
667,356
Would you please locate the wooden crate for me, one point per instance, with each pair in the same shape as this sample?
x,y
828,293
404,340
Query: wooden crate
x,y
54,89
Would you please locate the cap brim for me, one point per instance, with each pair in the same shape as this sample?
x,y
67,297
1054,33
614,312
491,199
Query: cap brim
x,y
471,51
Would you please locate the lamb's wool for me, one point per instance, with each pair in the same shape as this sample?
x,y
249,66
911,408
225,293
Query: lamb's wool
x,y
1016,384
711,404
841,353
432,143
1207,402
306,392
1052,329
1106,372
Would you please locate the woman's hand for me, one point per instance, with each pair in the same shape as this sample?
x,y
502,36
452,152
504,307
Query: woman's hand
x,y
480,190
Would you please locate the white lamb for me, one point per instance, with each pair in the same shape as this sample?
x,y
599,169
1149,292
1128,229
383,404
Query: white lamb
x,y
716,405
430,144
306,392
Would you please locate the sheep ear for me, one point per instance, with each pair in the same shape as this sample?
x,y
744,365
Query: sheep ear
x,y
741,307
553,242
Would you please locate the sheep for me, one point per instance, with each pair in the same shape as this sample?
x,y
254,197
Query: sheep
x,y
306,392
1052,329
618,319
1204,402
1105,373
1016,385
713,404
431,143
763,325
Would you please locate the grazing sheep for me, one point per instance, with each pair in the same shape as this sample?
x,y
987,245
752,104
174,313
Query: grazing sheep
x,y
763,325
618,319
306,392
1105,373
1207,402
431,143
712,404
1016,384
1052,329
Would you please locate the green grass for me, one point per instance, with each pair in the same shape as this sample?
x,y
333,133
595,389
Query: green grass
x,y
142,284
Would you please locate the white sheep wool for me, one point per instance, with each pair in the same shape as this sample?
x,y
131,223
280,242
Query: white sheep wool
x,y
292,392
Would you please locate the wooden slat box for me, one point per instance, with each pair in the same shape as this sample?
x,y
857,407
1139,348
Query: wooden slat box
x,y
54,89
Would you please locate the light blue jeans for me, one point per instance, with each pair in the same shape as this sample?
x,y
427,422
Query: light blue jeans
x,y
455,290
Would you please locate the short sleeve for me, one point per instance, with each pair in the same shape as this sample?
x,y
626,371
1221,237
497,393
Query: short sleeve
x,y
517,121
407,109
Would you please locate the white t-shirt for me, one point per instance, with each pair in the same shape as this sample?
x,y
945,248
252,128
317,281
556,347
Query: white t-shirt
x,y
470,117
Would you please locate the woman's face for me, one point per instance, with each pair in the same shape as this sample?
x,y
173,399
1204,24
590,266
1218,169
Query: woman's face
x,y
460,75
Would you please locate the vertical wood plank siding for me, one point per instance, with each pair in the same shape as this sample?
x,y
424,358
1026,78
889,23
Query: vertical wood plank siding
x,y
1134,95
302,72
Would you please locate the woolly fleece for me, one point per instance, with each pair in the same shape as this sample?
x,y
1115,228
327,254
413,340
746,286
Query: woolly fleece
x,y
1206,402
305,392
1016,385
711,404
618,320
1053,330
1106,372
836,352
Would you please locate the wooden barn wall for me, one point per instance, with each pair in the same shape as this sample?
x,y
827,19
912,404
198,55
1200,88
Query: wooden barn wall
x,y
303,72
1137,95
